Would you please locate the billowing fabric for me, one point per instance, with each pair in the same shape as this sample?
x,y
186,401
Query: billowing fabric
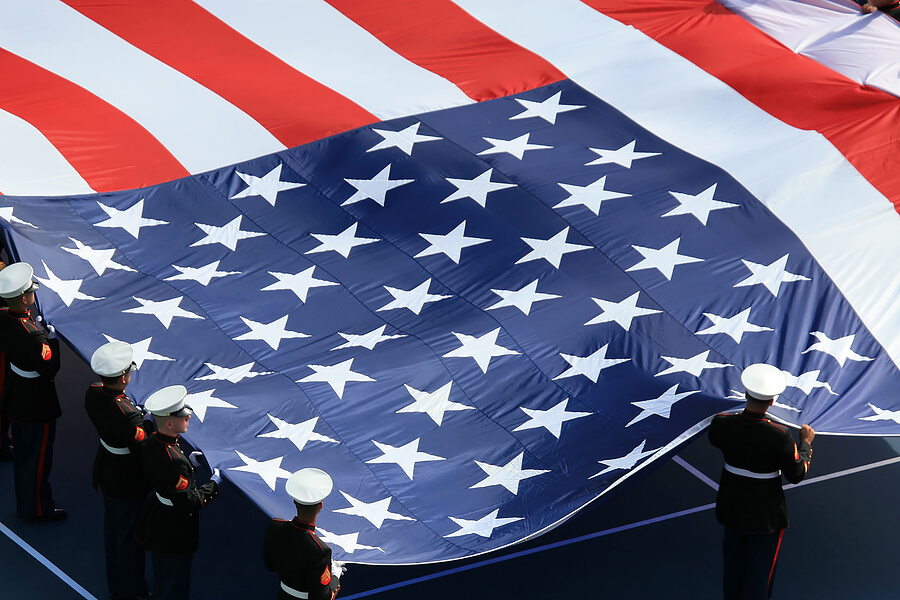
x,y
479,297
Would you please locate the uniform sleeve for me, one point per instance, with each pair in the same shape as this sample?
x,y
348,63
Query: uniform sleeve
x,y
129,431
713,433
41,355
184,493
321,584
795,461
268,554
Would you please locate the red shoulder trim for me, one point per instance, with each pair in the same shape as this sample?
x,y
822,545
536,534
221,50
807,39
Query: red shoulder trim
x,y
775,425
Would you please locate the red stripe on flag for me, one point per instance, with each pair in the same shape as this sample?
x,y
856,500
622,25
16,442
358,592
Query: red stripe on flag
x,y
439,36
107,147
290,105
863,123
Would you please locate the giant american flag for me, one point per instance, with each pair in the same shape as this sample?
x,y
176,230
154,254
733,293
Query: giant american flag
x,y
480,260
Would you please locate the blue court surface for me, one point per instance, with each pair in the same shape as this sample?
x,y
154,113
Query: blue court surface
x,y
657,538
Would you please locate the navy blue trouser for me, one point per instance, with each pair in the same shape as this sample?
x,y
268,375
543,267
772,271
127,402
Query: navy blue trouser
x,y
171,576
125,556
750,564
32,461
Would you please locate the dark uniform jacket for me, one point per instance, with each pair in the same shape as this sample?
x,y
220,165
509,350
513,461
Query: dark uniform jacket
x,y
301,559
752,442
120,424
29,400
171,529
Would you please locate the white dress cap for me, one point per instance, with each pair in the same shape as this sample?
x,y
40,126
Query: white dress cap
x,y
16,279
113,359
169,402
309,486
763,382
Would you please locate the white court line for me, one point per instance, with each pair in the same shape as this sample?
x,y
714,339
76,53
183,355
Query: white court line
x,y
44,561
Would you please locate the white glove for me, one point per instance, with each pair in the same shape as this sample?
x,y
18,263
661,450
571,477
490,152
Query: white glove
x,y
194,457
337,569
216,476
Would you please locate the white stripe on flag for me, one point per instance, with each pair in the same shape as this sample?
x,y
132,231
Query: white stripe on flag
x,y
199,128
836,34
319,41
26,156
852,230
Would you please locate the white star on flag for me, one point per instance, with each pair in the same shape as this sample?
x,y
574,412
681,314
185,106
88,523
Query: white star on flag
x,y
202,275
200,402
508,475
228,235
299,283
547,109
450,244
141,351
590,196
232,374
734,327
589,366
406,457
839,348
165,310
623,312
623,157
375,188
271,333
477,189
100,260
375,513
269,471
882,414
6,213
522,298
482,349
665,259
806,382
693,365
336,376
130,219
699,205
434,404
551,419
552,249
661,405
516,147
346,542
266,186
404,139
299,434
68,290
367,340
483,527
341,243
771,276
414,299
624,462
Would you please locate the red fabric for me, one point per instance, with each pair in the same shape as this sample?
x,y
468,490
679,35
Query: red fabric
x,y
441,37
189,39
107,147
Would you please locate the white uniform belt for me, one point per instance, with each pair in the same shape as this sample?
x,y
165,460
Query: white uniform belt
x,y
165,501
113,449
292,592
752,474
23,372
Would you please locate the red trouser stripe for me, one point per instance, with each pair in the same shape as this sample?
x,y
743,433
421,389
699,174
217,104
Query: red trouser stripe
x,y
40,473
775,559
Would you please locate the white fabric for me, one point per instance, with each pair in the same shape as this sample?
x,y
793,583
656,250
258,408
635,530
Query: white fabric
x,y
835,33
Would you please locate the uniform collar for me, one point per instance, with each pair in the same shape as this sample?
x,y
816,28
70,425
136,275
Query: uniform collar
x,y
19,314
755,416
296,522
166,439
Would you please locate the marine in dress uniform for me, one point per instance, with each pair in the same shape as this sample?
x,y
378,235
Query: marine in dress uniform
x,y
5,446
29,394
169,526
119,467
294,551
750,503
